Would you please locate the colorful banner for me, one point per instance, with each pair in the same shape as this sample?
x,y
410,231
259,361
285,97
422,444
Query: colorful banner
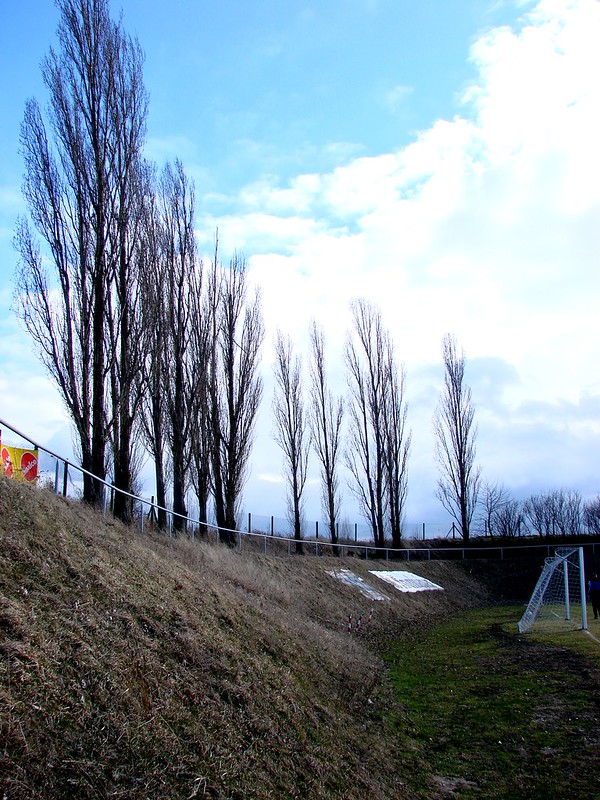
x,y
19,463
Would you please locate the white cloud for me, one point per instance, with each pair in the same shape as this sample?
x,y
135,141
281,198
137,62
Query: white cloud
x,y
394,98
485,226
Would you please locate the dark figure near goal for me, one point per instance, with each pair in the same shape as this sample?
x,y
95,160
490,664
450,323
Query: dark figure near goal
x,y
594,593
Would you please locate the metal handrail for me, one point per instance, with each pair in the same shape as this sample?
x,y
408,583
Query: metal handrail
x,y
317,544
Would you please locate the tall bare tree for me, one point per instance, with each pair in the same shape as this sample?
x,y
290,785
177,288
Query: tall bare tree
x,y
78,190
235,385
182,276
379,442
291,428
153,370
397,443
201,432
125,318
325,417
365,453
455,432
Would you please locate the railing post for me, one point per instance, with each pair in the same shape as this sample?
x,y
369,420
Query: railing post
x,y
65,478
271,525
56,477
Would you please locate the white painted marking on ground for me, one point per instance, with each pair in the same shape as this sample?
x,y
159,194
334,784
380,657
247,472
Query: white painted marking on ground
x,y
406,581
350,579
591,635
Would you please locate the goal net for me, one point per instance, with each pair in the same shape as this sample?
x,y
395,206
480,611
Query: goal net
x,y
558,600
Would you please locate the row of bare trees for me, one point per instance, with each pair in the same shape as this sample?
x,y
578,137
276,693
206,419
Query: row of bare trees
x,y
376,445
152,349
557,512
145,343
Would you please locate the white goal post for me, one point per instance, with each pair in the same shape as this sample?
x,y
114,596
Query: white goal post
x,y
559,597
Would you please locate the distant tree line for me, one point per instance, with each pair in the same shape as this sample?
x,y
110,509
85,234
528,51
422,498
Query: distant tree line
x,y
557,512
156,350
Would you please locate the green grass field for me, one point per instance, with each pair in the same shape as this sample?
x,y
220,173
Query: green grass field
x,y
496,714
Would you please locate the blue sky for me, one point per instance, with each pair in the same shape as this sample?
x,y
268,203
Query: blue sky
x,y
439,158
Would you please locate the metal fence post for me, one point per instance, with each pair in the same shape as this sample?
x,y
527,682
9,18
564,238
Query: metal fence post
x,y
65,478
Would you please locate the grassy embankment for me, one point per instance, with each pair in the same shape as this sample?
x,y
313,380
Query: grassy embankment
x,y
137,667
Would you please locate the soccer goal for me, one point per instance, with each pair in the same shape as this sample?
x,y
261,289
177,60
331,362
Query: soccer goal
x,y
558,600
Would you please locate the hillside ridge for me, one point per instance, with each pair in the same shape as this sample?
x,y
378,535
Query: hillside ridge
x,y
136,666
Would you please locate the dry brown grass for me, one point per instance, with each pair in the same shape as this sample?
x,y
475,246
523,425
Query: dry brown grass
x,y
140,667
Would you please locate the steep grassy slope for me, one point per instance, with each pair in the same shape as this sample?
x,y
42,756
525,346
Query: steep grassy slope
x,y
138,667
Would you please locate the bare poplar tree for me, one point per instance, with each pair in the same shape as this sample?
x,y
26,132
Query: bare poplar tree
x,y
78,190
125,318
291,428
235,386
152,374
182,285
455,432
365,452
201,431
397,443
325,418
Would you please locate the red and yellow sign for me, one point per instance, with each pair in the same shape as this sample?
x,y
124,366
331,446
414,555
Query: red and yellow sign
x,y
19,463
